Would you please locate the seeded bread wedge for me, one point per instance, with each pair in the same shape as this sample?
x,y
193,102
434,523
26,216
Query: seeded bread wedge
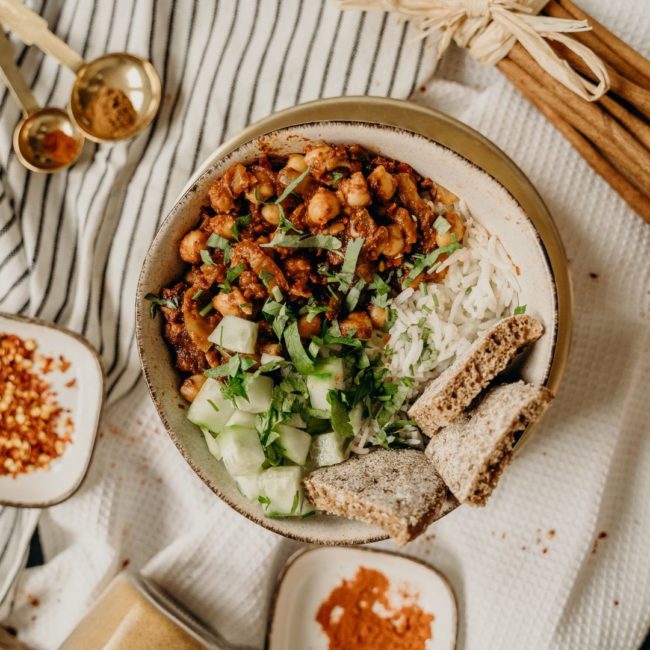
x,y
446,397
471,453
397,489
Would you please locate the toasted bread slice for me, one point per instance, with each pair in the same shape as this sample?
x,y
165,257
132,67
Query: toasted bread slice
x,y
396,489
471,453
447,396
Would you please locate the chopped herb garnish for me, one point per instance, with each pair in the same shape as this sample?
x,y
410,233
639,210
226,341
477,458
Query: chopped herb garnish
x,y
282,240
292,186
312,309
231,275
217,241
206,257
206,310
351,256
296,502
304,365
264,500
423,262
521,309
340,415
354,294
170,303
198,294
468,291
240,222
336,177
213,405
245,305
276,292
266,278
441,225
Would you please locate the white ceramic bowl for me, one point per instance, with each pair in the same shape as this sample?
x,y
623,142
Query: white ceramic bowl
x,y
83,395
488,201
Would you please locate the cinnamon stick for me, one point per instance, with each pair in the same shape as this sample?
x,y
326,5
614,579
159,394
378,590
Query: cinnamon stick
x,y
627,154
600,47
636,95
638,128
528,86
615,44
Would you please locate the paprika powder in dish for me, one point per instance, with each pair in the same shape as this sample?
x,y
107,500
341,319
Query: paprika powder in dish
x,y
358,615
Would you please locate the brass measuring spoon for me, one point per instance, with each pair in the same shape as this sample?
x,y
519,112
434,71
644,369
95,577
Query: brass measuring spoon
x,y
101,86
46,139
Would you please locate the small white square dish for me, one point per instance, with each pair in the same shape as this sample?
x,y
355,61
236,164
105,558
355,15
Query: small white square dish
x,y
79,386
310,576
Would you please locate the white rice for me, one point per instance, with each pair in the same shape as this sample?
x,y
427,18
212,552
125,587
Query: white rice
x,y
480,289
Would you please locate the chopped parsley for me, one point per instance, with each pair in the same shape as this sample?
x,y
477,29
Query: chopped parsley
x,y
424,262
354,294
206,257
206,310
217,241
240,222
292,186
521,309
301,360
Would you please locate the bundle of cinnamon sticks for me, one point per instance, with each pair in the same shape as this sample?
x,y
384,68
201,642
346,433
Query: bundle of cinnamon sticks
x,y
612,134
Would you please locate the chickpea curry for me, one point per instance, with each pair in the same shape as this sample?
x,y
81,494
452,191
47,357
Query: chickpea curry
x,y
279,323
248,243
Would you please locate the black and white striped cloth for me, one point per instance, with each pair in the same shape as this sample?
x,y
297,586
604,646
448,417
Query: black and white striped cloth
x,y
71,244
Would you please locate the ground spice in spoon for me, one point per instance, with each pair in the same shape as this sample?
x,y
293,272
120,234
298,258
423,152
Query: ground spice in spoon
x,y
60,147
358,615
111,113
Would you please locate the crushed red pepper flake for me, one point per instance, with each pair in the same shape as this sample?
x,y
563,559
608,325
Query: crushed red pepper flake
x,y
34,428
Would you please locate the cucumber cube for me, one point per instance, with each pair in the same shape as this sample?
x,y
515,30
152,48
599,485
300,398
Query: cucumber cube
x,y
209,409
327,449
260,393
249,485
282,488
241,450
294,442
242,419
235,334
329,375
211,441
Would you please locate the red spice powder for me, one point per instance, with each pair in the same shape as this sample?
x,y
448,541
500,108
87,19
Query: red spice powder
x,y
350,620
60,146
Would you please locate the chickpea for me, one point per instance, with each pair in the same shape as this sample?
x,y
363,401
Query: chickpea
x,y
355,191
323,158
232,303
221,198
359,322
264,187
240,179
377,316
323,207
444,196
395,244
457,228
307,328
192,245
383,183
271,214
223,224
191,386
297,163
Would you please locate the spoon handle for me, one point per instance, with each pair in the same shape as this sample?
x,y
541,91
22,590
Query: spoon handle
x,y
33,30
11,75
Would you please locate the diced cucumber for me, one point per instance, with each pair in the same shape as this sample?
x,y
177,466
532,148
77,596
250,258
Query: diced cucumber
x,y
327,449
283,491
307,508
328,375
209,409
296,421
295,443
267,358
241,450
260,393
242,419
235,334
249,485
213,445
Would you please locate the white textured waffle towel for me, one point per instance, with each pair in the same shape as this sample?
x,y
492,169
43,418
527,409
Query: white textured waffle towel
x,y
558,559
